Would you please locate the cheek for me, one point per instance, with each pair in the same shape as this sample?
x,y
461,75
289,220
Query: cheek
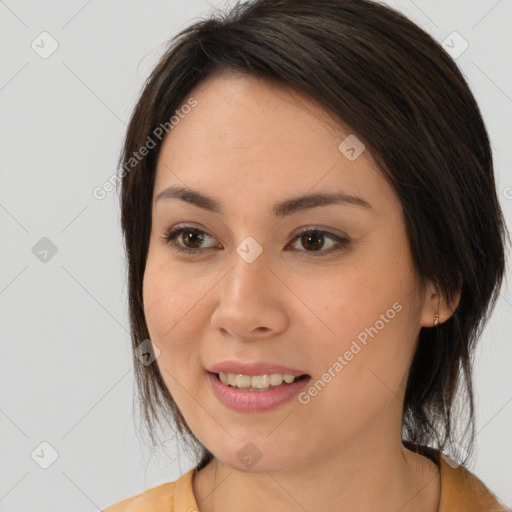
x,y
360,378
373,310
171,321
172,309
171,297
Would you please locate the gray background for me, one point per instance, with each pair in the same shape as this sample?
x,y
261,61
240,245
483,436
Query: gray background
x,y
66,372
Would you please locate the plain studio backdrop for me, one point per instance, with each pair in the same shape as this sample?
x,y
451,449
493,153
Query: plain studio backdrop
x,y
70,74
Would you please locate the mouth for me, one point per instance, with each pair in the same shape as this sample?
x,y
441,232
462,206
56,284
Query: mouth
x,y
255,386
258,383
267,391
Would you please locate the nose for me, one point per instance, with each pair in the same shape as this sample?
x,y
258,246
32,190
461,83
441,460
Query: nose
x,y
250,301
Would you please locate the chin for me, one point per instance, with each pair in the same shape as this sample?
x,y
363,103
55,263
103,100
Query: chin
x,y
249,457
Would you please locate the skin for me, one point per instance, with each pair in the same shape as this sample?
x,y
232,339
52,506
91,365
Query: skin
x,y
250,144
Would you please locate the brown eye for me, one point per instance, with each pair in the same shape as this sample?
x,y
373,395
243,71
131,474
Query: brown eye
x,y
191,239
314,241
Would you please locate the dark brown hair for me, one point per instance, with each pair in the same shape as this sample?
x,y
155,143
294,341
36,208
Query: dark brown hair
x,y
405,98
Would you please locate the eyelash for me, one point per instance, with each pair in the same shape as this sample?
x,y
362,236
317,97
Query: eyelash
x,y
174,233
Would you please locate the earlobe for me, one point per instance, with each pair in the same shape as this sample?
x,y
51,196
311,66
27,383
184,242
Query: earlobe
x,y
436,310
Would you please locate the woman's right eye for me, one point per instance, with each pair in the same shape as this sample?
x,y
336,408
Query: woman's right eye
x,y
194,236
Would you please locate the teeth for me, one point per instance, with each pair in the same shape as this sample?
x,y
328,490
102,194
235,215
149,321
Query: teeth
x,y
256,382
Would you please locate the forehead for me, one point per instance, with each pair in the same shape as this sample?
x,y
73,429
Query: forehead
x,y
246,135
238,108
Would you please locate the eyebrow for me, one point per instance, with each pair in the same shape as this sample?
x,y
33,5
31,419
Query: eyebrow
x,y
281,209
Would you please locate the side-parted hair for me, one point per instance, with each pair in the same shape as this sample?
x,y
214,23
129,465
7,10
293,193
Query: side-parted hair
x,y
406,100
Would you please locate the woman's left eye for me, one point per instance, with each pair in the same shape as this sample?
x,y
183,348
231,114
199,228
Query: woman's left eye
x,y
309,237
314,238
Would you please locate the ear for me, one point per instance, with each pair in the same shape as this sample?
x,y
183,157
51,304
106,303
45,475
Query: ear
x,y
434,303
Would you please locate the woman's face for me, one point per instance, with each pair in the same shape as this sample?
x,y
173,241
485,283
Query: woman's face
x,y
341,305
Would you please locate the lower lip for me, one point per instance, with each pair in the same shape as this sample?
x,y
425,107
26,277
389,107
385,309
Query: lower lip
x,y
249,401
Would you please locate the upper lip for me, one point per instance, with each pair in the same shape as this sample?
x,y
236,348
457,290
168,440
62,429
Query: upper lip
x,y
252,369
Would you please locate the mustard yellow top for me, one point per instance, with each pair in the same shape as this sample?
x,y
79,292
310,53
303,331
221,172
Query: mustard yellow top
x,y
461,491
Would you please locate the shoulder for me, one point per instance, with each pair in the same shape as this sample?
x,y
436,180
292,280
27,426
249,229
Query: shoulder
x,y
463,491
168,497
159,498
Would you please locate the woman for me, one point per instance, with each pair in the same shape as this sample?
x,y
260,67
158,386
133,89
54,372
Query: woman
x,y
314,244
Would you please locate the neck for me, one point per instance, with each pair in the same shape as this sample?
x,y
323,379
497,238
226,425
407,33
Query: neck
x,y
361,477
